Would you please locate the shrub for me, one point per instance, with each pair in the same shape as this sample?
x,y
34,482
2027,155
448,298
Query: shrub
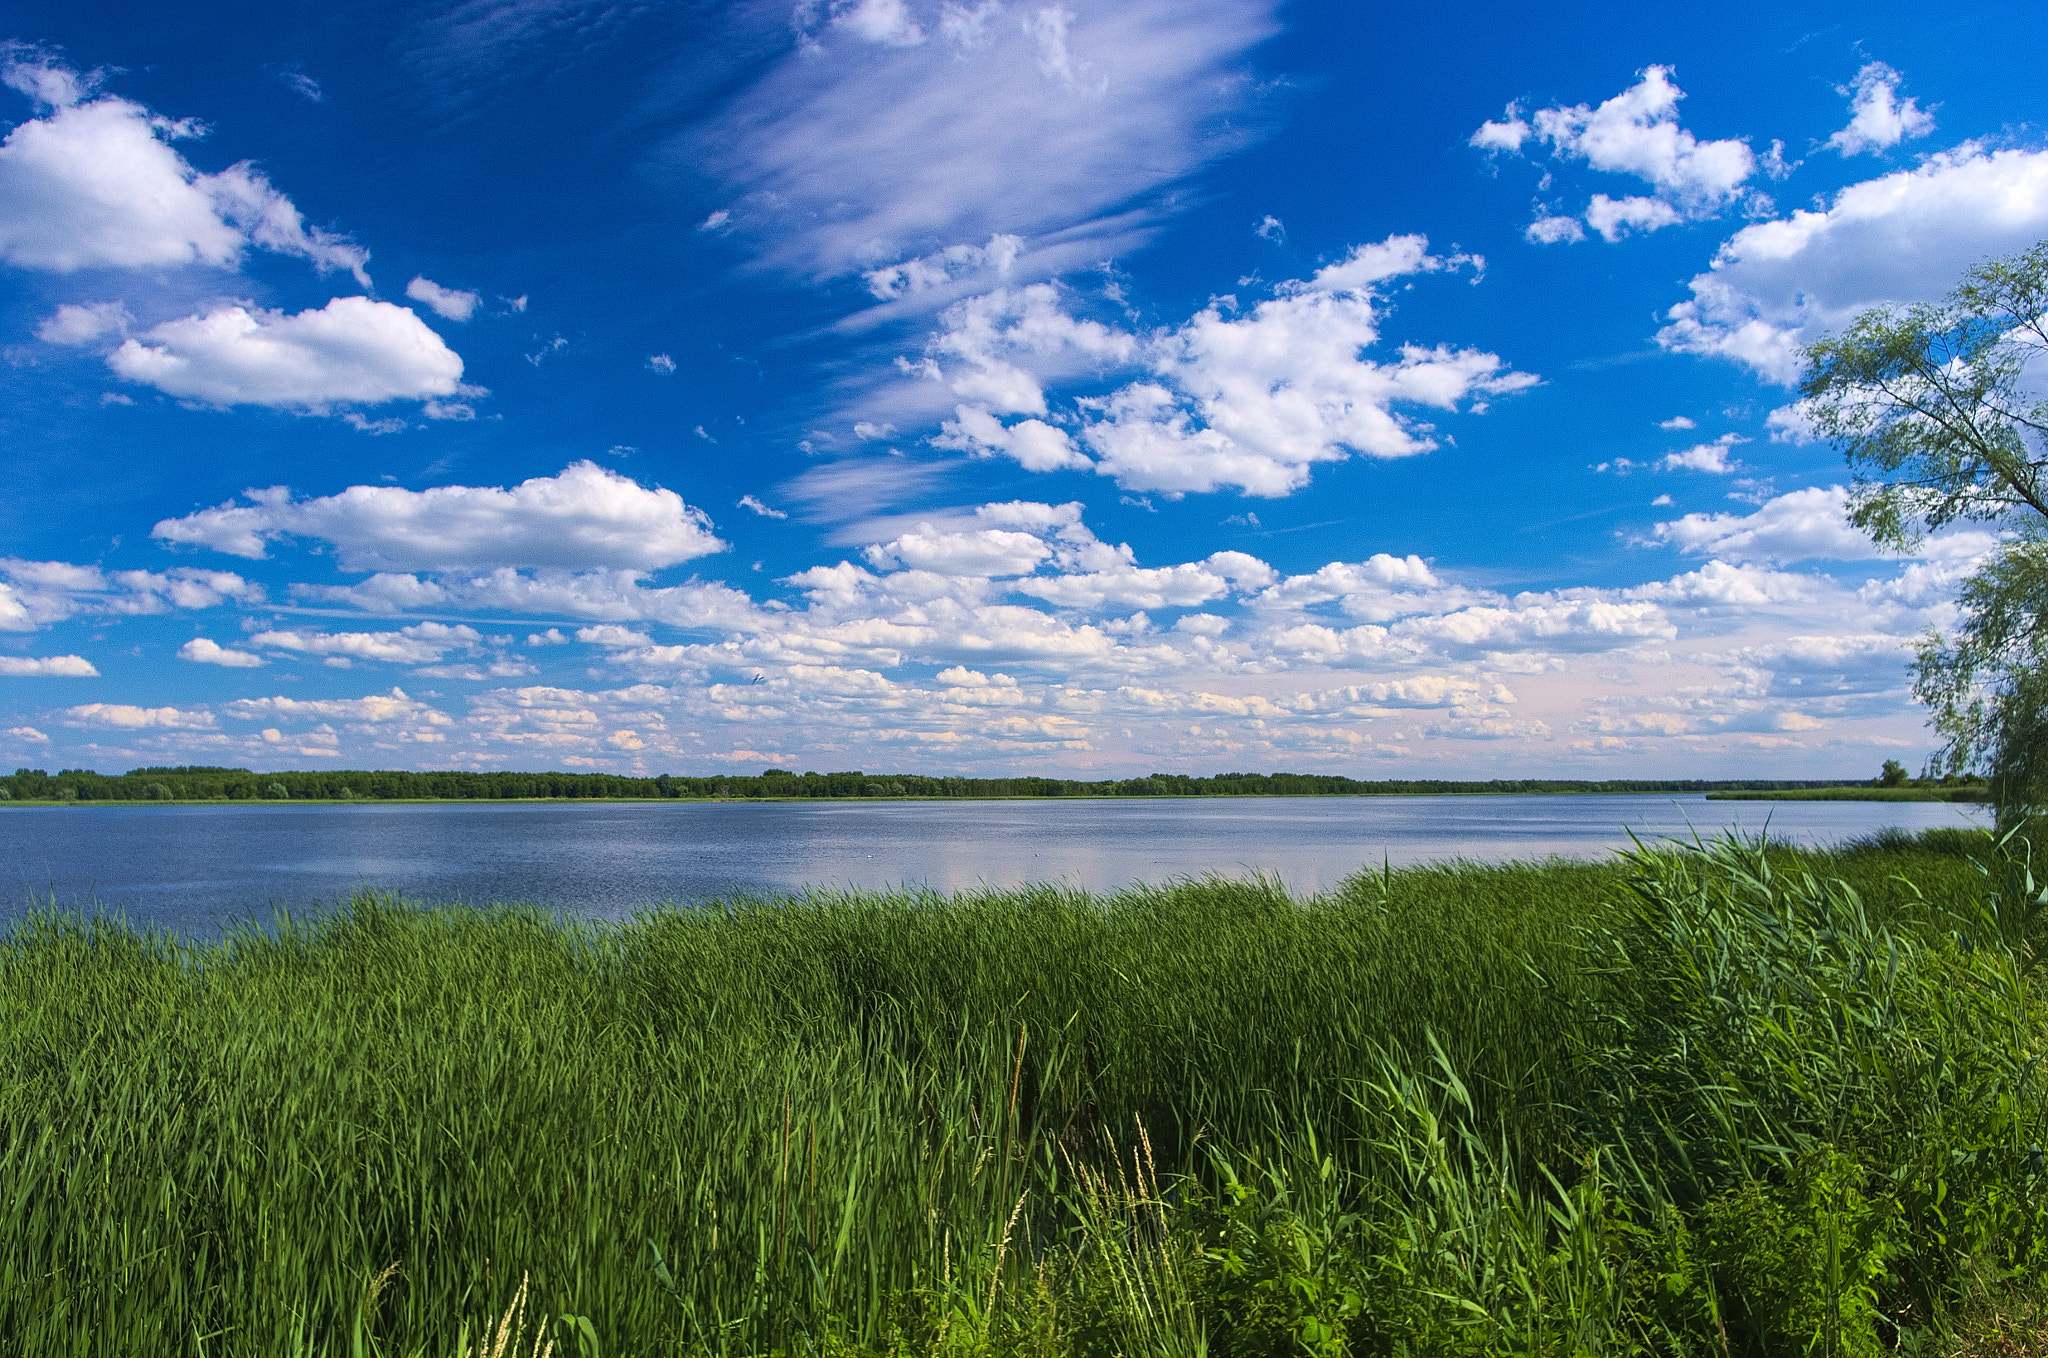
x,y
276,791
157,792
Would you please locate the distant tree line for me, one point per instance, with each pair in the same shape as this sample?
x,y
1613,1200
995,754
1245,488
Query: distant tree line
x,y
202,783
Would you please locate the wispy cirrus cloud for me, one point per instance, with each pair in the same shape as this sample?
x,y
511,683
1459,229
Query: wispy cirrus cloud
x,y
899,131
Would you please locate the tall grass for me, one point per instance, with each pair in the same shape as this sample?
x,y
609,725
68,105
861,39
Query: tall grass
x,y
1680,1102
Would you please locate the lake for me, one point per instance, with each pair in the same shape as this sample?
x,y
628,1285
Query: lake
x,y
193,868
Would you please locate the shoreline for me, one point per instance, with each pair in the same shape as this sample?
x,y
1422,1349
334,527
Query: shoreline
x,y
1968,796
47,802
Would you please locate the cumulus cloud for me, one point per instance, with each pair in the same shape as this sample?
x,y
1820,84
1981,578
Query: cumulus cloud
x,y
985,552
1249,400
899,129
1904,237
587,517
1635,133
96,183
601,595
942,269
1798,526
89,323
998,349
1035,445
1704,457
353,351
1878,118
421,644
1614,218
1554,230
36,593
48,667
1254,401
374,709
204,651
448,303
126,717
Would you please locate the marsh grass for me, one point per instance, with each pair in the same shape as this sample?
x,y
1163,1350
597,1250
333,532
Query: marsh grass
x,y
1472,1109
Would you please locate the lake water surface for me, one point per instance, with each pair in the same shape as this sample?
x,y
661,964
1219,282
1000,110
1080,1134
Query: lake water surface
x,y
194,868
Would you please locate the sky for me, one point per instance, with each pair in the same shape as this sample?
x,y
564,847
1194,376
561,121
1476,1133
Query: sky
x,y
1082,388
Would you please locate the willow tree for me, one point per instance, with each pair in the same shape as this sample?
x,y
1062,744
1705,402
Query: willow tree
x,y
1942,410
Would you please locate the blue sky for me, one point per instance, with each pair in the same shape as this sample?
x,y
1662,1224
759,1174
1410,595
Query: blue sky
x,y
1076,386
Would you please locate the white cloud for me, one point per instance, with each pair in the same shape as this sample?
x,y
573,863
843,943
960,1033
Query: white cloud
x,y
36,593
448,303
1879,119
374,709
1248,400
1615,218
351,351
1678,422
1798,526
1635,133
303,85
1704,457
86,324
1792,424
123,716
95,183
1555,231
887,23
1905,237
661,363
996,350
205,651
584,518
754,505
1036,445
496,669
1506,135
613,636
26,734
985,552
48,666
945,267
1285,387
600,595
421,644
894,132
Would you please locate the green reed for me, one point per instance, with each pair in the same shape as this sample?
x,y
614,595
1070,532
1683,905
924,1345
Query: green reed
x,y
1457,1109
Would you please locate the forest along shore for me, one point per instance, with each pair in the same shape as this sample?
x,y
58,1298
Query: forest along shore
x,y
196,783
1696,1100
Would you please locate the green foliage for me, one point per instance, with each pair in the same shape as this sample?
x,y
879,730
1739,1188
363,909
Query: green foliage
x,y
1932,410
1960,790
276,791
1803,1261
157,792
1723,1100
1892,775
203,783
